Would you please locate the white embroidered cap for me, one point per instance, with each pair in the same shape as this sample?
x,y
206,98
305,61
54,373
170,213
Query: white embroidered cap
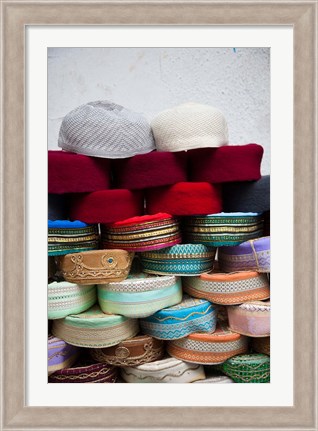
x,y
104,129
189,126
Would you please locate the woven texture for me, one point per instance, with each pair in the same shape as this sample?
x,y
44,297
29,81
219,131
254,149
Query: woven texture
x,y
252,368
190,125
224,229
104,129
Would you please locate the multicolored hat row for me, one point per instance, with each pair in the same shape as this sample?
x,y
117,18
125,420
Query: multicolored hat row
x,y
77,173
147,233
142,360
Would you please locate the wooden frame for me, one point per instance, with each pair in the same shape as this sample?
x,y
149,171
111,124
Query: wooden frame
x,y
15,16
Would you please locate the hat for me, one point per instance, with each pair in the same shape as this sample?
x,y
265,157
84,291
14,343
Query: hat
x,y
208,348
180,259
250,368
178,321
96,266
168,370
229,163
188,126
65,236
134,351
250,318
228,288
85,370
104,129
253,255
60,354
140,295
142,233
66,298
223,229
93,328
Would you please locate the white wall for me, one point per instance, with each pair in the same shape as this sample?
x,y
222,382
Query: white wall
x,y
148,80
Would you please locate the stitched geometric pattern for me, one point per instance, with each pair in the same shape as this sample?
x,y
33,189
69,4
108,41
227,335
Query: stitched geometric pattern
x,y
104,129
170,331
230,286
206,346
260,261
208,358
221,230
134,284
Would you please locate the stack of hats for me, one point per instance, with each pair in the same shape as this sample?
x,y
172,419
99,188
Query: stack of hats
x,y
159,250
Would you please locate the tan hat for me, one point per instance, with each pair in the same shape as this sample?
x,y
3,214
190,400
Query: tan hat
x,y
189,126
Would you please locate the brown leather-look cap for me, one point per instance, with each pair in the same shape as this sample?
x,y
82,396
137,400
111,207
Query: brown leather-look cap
x,y
134,351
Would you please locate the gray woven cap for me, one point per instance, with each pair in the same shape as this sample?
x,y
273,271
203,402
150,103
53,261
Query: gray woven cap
x,y
104,129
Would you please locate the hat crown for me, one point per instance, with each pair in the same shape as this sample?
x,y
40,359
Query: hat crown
x,y
189,126
105,129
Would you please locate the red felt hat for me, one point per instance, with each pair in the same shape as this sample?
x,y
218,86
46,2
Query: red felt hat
x,y
184,198
225,164
154,169
106,206
75,173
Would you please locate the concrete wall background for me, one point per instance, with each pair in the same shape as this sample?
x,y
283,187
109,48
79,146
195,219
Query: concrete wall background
x,y
148,80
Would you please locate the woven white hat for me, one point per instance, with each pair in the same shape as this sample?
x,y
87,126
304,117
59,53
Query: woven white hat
x,y
104,129
189,126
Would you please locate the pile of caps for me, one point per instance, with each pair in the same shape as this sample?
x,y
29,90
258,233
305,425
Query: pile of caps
x,y
159,250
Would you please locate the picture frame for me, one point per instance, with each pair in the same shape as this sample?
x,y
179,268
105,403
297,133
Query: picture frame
x,y
15,415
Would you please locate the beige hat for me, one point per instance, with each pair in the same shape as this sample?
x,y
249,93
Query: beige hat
x,y
189,126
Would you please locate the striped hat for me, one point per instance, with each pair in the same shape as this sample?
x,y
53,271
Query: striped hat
x,y
223,229
251,255
250,368
142,233
140,295
191,315
60,354
228,288
181,259
188,126
86,371
251,318
66,236
104,129
208,348
69,298
93,328
169,370
129,353
98,266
